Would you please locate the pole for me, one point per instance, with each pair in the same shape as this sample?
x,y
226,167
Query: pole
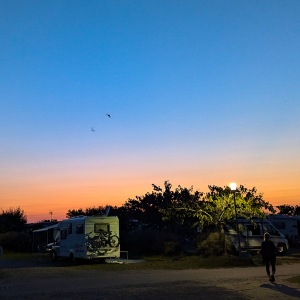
x,y
237,224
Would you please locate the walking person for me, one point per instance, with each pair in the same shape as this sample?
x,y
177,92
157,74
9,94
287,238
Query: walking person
x,y
268,252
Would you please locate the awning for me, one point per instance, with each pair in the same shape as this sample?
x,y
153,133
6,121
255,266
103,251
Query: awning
x,y
45,228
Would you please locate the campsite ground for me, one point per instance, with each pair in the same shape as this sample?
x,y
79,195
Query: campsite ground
x,y
30,279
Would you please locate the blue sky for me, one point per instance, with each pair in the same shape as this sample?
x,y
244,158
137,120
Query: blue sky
x,y
200,92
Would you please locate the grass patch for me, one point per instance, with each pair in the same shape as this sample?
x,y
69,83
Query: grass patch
x,y
3,274
284,261
173,263
196,262
291,258
180,262
295,279
17,256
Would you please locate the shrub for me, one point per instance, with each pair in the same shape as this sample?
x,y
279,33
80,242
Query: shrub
x,y
172,248
15,241
138,242
149,242
214,244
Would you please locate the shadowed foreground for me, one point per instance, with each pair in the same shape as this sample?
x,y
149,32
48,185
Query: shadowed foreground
x,y
26,282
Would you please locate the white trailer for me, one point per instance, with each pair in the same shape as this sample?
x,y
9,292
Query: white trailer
x,y
251,235
289,226
87,237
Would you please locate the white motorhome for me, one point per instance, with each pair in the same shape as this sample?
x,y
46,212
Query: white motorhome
x,y
251,235
289,226
87,237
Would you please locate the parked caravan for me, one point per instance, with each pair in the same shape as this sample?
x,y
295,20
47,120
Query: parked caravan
x,y
252,235
87,237
289,226
42,237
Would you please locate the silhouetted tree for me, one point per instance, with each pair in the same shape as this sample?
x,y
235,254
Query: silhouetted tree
x,y
147,208
121,212
163,207
12,219
186,208
217,207
289,210
75,213
90,211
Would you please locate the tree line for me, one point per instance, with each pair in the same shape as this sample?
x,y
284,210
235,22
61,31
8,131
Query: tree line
x,y
163,207
177,210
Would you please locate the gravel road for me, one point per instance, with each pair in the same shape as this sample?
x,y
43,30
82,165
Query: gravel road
x,y
27,282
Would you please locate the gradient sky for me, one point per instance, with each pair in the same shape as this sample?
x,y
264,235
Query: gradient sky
x,y
200,93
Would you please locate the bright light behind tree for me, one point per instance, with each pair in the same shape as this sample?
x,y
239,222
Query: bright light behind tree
x,y
232,186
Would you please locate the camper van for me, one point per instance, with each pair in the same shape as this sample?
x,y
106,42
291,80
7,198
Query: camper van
x,y
251,235
87,237
289,226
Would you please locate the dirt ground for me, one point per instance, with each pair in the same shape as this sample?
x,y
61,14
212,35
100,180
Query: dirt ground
x,y
19,280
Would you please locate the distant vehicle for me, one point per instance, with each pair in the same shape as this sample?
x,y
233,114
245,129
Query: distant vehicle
x,y
252,235
85,237
289,226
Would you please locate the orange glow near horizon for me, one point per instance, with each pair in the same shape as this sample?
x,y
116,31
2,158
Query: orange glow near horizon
x,y
191,112
91,184
38,202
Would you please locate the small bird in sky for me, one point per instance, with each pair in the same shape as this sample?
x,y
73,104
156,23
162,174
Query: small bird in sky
x,y
108,115
93,129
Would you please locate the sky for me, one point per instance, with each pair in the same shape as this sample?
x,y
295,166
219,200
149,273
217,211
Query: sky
x,y
199,93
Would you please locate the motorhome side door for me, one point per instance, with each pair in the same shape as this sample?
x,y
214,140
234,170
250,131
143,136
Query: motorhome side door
x,y
253,235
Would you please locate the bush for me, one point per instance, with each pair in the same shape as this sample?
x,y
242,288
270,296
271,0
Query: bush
x,y
214,244
15,241
149,242
172,248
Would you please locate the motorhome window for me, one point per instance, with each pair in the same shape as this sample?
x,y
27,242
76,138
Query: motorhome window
x,y
56,234
79,228
70,228
272,230
254,228
63,233
99,227
279,225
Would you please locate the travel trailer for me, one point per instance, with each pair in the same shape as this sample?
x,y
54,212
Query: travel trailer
x,y
289,226
42,237
87,237
251,235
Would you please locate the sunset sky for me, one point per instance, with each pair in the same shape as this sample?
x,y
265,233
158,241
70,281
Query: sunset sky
x,y
199,92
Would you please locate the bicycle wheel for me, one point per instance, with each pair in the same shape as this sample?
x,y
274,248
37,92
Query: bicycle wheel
x,y
114,241
96,242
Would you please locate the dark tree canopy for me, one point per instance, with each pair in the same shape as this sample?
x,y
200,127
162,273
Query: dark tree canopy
x,y
289,210
12,219
248,203
90,211
157,208
216,207
167,208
